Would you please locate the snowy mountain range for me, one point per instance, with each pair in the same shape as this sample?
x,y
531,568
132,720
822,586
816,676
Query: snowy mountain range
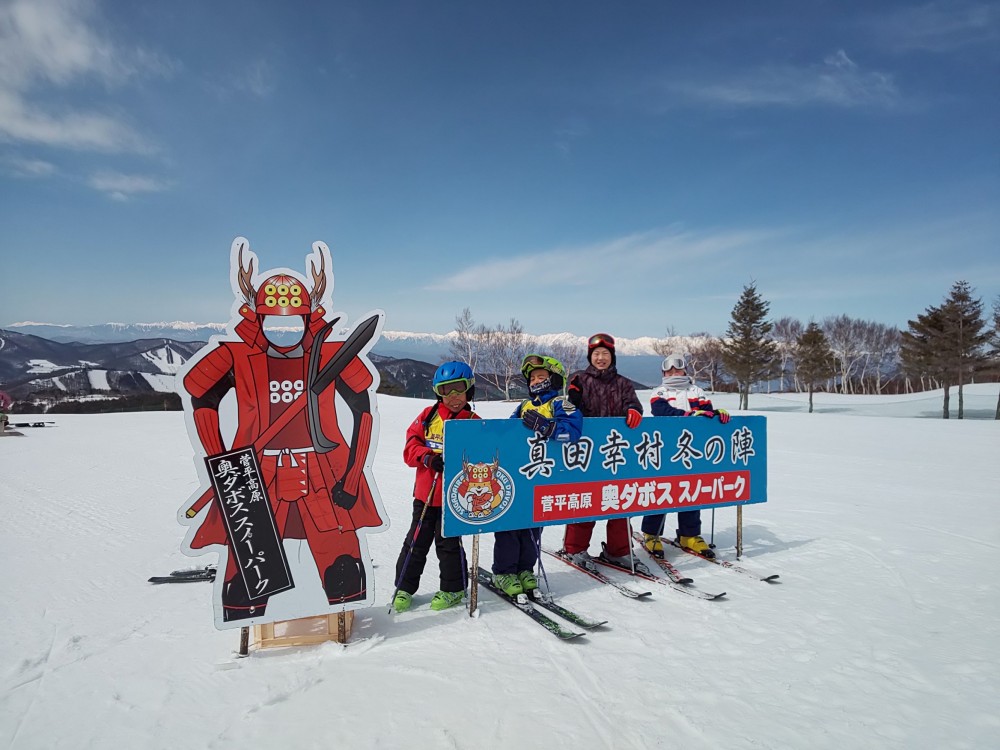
x,y
44,372
637,357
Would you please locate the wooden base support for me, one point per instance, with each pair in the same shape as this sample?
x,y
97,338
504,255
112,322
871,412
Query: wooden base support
x,y
304,631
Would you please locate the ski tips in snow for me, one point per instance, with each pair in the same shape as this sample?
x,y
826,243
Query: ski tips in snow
x,y
724,563
206,573
486,580
597,575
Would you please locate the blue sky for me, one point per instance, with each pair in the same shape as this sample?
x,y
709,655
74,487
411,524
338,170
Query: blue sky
x,y
579,166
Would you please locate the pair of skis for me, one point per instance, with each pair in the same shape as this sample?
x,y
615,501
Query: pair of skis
x,y
526,604
715,561
641,570
187,576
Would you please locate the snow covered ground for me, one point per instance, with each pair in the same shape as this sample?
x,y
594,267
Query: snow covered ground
x,y
882,633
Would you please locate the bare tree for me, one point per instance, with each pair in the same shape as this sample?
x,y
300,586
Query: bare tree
x,y
785,334
705,358
571,353
672,343
882,347
466,345
844,334
504,348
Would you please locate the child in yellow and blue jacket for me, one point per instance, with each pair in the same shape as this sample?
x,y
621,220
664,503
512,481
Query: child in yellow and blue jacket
x,y
554,417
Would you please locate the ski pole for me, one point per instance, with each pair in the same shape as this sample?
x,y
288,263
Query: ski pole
x,y
474,576
631,556
465,569
713,529
413,540
537,539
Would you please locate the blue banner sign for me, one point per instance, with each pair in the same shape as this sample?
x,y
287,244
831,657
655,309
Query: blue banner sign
x,y
499,476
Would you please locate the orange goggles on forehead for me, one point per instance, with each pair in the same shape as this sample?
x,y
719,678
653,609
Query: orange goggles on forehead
x,y
601,339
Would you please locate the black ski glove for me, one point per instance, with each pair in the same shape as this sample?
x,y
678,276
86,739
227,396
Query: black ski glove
x,y
341,497
434,462
535,421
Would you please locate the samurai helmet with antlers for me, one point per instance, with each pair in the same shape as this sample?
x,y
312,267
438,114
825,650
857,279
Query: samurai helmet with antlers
x,y
282,294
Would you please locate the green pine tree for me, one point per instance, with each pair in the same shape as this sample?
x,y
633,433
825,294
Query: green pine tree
x,y
747,352
814,359
966,329
921,350
946,344
995,347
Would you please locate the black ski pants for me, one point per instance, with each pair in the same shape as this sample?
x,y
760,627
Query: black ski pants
x,y
449,553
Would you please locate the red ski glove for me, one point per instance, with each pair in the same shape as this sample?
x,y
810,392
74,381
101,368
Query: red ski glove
x,y
723,415
633,418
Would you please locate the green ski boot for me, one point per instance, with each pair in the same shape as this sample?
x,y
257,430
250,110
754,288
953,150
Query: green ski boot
x,y
528,581
509,583
446,599
403,601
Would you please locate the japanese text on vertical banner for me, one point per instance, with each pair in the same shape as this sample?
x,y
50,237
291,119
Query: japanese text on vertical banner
x,y
246,511
667,464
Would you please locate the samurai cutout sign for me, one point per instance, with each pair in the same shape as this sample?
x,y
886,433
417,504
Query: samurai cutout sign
x,y
282,411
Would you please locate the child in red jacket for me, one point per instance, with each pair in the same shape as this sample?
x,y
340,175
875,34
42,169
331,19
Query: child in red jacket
x,y
454,386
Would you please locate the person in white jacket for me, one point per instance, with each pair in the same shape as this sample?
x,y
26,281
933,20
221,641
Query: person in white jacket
x,y
678,396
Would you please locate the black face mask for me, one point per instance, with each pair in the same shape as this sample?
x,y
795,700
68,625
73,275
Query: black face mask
x,y
539,388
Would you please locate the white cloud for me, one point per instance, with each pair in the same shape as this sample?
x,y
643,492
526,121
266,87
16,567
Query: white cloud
x,y
24,122
48,45
255,78
258,79
121,187
837,82
653,252
943,26
569,132
21,167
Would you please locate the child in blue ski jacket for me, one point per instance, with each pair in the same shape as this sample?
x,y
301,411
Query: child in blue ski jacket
x,y
553,417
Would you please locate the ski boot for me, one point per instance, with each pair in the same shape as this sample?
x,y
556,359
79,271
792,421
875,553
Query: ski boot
x,y
653,545
528,581
697,545
446,599
509,583
626,562
581,559
403,601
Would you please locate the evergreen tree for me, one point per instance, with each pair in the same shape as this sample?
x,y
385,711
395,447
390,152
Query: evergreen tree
x,y
946,344
966,329
814,359
747,351
995,353
920,350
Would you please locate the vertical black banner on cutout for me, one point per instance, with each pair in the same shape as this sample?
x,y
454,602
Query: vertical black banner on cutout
x,y
253,533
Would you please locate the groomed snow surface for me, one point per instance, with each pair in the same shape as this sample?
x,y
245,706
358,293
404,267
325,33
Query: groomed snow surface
x,y
883,632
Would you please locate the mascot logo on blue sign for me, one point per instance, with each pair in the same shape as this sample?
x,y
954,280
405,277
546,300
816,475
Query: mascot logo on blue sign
x,y
482,492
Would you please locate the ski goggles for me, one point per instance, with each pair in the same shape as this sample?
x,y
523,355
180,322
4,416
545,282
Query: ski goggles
x,y
673,362
533,362
449,387
601,339
539,361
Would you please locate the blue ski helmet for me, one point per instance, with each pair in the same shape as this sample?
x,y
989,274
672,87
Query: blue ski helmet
x,y
453,376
